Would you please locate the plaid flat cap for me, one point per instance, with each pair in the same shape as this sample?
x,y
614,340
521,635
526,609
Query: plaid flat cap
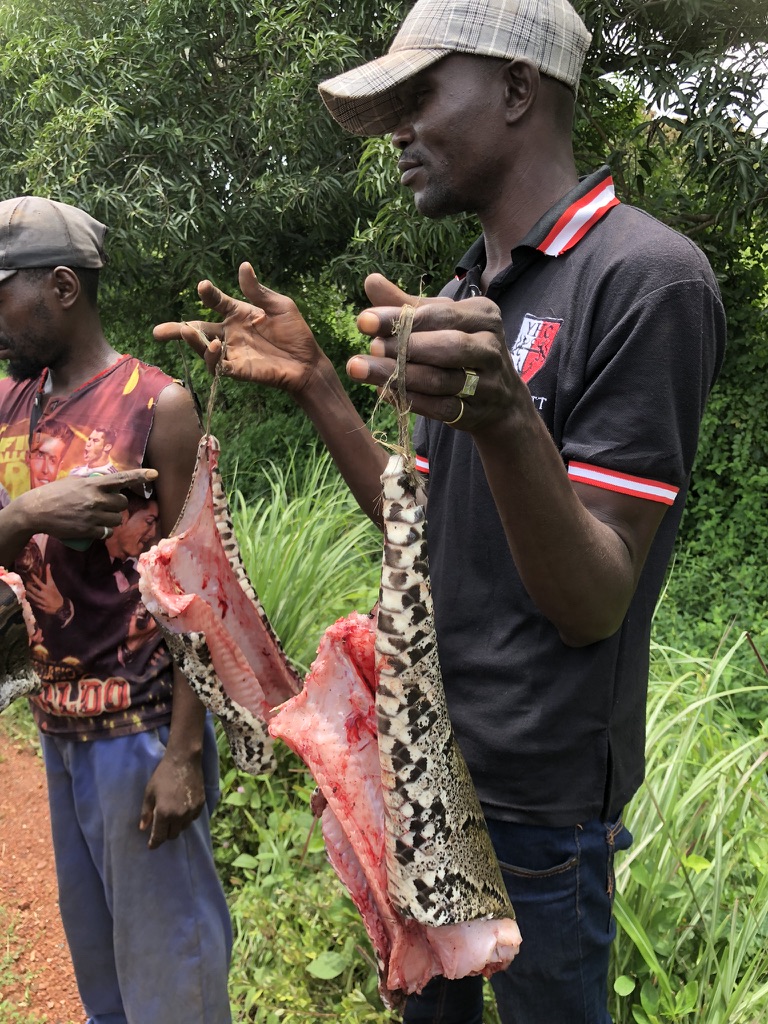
x,y
547,32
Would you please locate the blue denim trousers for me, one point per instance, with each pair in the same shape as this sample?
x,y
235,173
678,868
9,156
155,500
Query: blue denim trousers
x,y
148,930
561,884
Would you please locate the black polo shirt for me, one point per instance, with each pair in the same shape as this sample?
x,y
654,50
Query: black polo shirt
x,y
615,323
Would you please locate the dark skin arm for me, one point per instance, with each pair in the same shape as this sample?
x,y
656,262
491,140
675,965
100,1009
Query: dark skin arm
x,y
579,549
73,508
175,794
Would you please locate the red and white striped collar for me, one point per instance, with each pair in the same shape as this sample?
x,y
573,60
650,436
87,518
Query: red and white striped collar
x,y
571,226
562,226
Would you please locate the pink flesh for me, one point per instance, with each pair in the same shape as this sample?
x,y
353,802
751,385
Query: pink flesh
x,y
188,613
188,584
13,580
331,725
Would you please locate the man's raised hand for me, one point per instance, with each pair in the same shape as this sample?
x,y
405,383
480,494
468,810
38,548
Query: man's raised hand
x,y
264,339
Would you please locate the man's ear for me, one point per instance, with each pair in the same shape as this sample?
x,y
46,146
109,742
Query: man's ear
x,y
521,87
67,285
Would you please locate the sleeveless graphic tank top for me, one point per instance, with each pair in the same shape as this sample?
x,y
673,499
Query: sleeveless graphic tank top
x,y
104,668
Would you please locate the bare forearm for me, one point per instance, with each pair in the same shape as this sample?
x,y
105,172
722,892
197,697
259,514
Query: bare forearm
x,y
185,741
15,532
359,459
69,508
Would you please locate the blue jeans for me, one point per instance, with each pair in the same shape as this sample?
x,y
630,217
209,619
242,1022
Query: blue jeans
x,y
561,884
148,930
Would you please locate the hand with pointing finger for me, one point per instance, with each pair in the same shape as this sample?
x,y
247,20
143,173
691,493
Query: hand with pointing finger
x,y
75,507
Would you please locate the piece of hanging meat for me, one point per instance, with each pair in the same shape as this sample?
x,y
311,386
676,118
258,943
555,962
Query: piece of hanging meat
x,y
332,727
195,585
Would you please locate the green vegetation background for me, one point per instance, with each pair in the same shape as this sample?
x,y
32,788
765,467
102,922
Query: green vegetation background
x,y
194,130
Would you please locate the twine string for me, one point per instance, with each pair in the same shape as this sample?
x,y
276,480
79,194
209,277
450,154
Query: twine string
x,y
214,383
403,327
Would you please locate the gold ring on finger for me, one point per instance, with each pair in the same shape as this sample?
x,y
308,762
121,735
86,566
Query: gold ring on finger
x,y
451,423
471,380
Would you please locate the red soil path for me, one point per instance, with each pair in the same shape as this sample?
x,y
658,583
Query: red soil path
x,y
43,986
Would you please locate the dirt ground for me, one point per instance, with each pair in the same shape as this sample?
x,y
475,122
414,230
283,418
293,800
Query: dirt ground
x,y
43,985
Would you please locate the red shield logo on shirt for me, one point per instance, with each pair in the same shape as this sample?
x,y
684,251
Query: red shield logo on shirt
x,y
531,347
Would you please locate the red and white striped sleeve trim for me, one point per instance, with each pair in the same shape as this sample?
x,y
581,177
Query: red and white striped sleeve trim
x,y
610,480
422,464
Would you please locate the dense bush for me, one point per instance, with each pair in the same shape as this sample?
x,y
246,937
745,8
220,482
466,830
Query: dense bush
x,y
717,579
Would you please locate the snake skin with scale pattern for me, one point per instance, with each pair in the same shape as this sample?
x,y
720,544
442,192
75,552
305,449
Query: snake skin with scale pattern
x,y
17,676
441,866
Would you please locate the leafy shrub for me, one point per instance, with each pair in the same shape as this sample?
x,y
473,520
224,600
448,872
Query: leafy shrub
x,y
310,552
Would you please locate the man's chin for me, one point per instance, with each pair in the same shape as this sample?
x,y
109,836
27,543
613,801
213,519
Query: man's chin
x,y
434,205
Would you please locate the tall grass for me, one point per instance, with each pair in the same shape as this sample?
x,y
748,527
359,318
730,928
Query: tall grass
x,y
310,553
692,906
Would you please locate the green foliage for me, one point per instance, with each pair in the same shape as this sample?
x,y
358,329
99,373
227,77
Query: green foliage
x,y
310,553
702,66
193,129
717,576
17,722
692,907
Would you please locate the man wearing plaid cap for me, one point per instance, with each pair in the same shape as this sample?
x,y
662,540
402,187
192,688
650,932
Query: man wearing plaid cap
x,y
559,384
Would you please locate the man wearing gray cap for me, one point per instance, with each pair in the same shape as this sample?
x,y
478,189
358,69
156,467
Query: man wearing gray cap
x,y
130,757
559,383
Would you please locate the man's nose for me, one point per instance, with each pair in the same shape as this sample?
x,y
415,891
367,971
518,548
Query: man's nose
x,y
403,135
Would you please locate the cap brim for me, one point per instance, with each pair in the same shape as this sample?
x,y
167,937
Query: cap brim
x,y
4,274
363,100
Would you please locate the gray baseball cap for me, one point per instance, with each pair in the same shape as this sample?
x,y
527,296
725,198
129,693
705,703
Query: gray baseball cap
x,y
37,232
547,32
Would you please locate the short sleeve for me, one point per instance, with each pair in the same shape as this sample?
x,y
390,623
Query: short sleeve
x,y
636,425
